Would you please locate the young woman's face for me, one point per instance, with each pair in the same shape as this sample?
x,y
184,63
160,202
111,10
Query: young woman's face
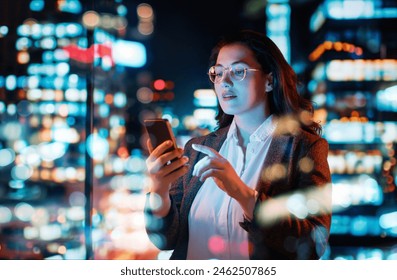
x,y
245,96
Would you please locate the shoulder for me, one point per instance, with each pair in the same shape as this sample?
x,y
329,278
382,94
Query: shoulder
x,y
309,137
309,141
299,140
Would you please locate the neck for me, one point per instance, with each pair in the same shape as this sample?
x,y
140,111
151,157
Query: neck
x,y
247,124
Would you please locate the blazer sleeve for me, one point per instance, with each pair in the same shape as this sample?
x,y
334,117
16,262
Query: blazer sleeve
x,y
162,231
296,236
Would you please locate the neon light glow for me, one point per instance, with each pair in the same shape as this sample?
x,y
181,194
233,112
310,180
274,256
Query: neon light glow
x,y
125,53
88,55
335,46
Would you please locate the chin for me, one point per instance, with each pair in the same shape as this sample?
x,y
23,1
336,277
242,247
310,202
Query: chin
x,y
230,111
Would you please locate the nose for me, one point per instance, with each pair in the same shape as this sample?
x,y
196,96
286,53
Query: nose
x,y
227,80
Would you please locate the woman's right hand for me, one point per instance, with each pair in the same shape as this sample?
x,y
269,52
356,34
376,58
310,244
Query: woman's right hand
x,y
162,174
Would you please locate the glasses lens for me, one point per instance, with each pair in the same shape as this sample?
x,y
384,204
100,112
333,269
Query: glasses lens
x,y
216,73
238,73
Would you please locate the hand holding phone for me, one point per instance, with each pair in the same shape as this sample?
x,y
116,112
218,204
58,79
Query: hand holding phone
x,y
163,174
159,131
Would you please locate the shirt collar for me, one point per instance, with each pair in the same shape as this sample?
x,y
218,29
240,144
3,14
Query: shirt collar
x,y
260,134
264,130
232,133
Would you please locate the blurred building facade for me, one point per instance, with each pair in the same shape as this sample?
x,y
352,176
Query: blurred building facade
x,y
353,74
64,58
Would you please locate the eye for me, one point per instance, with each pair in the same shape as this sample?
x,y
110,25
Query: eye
x,y
218,72
239,71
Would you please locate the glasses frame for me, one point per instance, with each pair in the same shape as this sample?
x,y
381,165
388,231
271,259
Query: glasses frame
x,y
229,69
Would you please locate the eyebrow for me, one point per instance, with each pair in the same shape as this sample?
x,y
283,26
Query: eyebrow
x,y
236,62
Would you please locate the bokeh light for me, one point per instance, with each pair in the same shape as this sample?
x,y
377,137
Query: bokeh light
x,y
23,57
3,31
24,108
145,11
5,215
91,19
21,172
135,164
296,205
24,211
144,95
11,130
7,156
97,147
77,199
216,244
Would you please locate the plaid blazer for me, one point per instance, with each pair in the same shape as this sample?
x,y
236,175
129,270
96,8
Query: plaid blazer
x,y
288,237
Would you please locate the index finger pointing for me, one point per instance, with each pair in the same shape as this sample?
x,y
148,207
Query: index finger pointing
x,y
206,150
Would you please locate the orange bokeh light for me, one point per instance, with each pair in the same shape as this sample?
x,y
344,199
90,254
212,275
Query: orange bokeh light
x,y
123,152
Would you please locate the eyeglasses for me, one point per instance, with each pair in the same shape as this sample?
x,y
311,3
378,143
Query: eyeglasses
x,y
237,72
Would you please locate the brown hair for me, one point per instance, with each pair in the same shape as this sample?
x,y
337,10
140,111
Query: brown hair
x,y
284,98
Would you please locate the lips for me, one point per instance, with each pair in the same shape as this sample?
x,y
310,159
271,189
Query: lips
x,y
228,95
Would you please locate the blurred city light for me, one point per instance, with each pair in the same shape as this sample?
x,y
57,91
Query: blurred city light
x,y
205,98
97,147
69,6
91,19
3,31
44,90
128,53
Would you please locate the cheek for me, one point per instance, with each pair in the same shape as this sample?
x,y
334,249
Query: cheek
x,y
218,91
256,91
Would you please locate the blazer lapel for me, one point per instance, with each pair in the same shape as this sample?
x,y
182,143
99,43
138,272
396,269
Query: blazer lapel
x,y
280,152
215,141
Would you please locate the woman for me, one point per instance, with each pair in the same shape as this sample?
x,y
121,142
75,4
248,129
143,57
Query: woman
x,y
213,201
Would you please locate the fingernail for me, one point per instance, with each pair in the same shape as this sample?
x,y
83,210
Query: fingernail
x,y
168,142
185,158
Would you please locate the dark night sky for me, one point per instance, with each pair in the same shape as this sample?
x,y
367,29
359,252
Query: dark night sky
x,y
185,32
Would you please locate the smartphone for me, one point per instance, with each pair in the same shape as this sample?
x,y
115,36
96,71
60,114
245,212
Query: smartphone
x,y
159,131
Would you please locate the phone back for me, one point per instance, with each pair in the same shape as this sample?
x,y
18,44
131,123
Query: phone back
x,y
159,131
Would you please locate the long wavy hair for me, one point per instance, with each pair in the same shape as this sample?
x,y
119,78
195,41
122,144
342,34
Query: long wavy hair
x,y
284,99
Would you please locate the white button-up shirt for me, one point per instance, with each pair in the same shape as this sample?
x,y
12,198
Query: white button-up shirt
x,y
214,230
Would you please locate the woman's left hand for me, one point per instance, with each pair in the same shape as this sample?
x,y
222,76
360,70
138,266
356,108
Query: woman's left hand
x,y
215,166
